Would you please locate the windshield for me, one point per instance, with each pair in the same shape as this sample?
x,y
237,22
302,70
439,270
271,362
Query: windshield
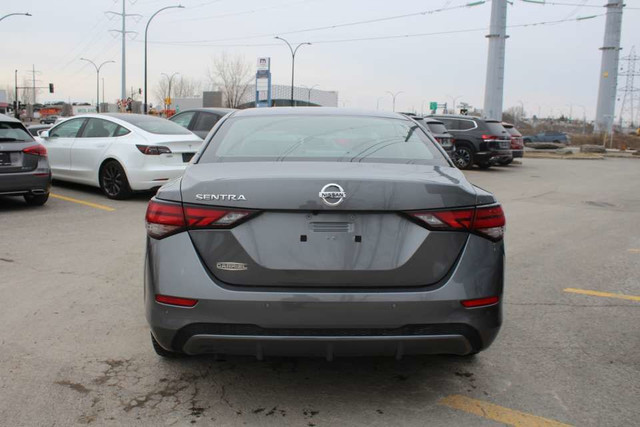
x,y
154,125
13,132
437,128
321,138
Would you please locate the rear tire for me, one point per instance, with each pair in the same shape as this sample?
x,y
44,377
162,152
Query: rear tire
x,y
36,199
160,351
463,157
113,181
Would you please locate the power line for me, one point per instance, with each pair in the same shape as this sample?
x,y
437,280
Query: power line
x,y
392,37
556,3
347,24
244,12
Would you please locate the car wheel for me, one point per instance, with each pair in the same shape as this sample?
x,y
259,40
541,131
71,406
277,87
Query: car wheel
x,y
484,165
463,157
160,351
505,162
113,181
36,200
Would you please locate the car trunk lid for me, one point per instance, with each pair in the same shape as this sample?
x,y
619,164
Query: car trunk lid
x,y
298,240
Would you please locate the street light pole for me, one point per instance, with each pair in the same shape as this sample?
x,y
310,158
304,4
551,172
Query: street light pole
x,y
16,114
293,60
394,95
170,78
146,31
309,89
453,104
97,79
14,14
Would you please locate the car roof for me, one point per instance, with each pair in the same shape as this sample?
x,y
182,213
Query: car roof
x,y
5,118
316,111
459,116
208,109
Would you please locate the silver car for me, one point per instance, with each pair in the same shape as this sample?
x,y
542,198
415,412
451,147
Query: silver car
x,y
322,232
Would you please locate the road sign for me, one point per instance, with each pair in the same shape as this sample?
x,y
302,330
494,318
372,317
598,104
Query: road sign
x,y
433,105
167,101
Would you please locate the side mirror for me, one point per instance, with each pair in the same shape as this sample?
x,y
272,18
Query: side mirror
x,y
44,134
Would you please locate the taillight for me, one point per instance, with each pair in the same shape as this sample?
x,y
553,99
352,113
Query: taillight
x,y
36,150
487,221
179,301
165,218
153,150
490,138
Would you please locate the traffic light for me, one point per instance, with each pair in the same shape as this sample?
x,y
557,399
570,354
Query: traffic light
x,y
50,87
464,111
140,91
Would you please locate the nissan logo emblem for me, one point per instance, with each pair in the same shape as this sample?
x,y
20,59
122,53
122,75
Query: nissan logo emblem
x,y
332,194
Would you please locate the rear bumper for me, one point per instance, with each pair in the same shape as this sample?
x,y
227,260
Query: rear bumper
x,y
327,324
517,153
37,181
155,176
492,156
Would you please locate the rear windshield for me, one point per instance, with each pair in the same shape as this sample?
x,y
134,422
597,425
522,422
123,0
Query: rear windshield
x,y
513,131
437,128
13,132
495,128
321,138
154,125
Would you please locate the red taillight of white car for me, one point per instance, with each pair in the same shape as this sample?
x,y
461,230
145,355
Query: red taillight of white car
x,y
166,218
488,221
153,150
36,150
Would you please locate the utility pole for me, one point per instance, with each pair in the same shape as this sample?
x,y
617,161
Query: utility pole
x,y
609,68
494,87
629,90
124,32
16,114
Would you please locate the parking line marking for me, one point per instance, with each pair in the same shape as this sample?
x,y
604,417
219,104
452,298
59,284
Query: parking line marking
x,y
496,412
602,294
82,202
634,251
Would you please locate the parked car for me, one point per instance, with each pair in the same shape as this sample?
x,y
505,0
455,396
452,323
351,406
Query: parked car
x,y
517,145
549,136
24,169
120,153
322,231
200,120
49,120
35,130
431,125
477,141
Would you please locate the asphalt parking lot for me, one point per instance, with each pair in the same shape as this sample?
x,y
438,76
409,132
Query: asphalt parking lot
x,y
75,346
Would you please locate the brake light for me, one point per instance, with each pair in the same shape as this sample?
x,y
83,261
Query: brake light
x,y
36,150
487,221
480,302
153,150
490,138
180,302
165,218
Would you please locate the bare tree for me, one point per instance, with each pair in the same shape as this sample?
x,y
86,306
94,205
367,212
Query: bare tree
x,y
232,75
11,94
182,87
26,94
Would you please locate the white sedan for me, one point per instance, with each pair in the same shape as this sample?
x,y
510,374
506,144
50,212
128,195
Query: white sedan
x,y
120,153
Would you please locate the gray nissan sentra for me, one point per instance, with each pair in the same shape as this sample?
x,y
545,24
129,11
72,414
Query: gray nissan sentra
x,y
322,232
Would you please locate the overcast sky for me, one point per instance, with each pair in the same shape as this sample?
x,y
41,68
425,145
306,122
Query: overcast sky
x,y
547,66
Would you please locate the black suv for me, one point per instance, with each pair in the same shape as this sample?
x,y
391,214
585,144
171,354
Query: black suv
x,y
477,141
